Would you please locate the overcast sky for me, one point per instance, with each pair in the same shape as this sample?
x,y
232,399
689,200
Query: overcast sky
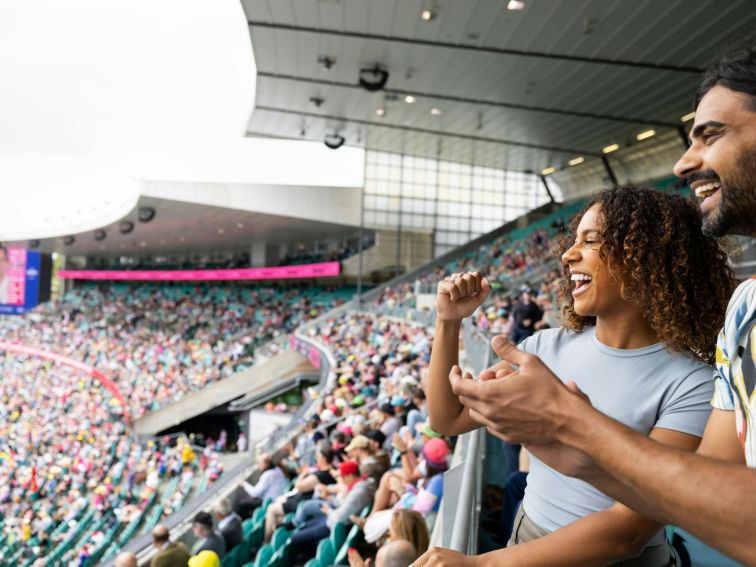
x,y
97,94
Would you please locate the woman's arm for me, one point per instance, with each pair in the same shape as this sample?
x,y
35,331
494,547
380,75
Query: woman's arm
x,y
306,484
598,539
456,299
601,538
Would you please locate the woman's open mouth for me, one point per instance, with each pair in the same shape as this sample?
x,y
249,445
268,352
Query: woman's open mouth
x,y
582,283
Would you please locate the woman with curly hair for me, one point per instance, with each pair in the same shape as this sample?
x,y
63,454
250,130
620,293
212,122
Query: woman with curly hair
x,y
644,295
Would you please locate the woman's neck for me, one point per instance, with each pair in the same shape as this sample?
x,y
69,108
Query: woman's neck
x,y
626,330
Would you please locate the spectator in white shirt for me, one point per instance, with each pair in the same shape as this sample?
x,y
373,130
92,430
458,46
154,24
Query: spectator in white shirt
x,y
271,484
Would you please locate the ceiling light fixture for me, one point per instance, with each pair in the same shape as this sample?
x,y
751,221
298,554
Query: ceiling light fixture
x,y
576,161
68,240
221,230
334,141
548,170
142,244
380,111
436,111
409,99
373,78
239,225
516,5
125,227
427,15
610,148
645,135
100,235
687,117
146,214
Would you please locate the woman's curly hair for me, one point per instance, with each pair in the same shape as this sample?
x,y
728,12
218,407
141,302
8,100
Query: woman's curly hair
x,y
653,243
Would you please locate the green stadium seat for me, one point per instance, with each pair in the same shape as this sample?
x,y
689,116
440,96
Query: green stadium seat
x,y
338,535
264,556
247,526
326,553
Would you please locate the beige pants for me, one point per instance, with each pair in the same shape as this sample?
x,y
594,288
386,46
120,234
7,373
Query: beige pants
x,y
525,530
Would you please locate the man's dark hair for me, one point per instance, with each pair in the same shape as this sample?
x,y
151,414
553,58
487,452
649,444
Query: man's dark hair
x,y
735,70
327,452
204,519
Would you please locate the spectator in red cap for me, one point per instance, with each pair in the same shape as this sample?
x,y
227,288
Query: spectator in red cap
x,y
318,516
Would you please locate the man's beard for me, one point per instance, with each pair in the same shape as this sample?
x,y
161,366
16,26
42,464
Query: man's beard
x,y
736,213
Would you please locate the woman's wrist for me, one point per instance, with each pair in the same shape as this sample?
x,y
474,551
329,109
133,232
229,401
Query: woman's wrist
x,y
448,324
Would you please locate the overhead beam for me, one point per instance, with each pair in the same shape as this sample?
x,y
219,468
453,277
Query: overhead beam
x,y
431,132
480,49
475,101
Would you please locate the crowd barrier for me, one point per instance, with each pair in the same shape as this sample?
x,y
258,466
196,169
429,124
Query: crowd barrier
x,y
78,365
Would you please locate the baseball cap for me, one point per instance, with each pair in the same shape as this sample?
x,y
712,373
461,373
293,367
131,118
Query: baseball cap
x,y
359,442
435,452
386,408
349,468
205,558
375,435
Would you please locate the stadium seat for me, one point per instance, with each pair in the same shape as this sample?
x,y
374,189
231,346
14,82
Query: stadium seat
x,y
264,556
326,553
338,535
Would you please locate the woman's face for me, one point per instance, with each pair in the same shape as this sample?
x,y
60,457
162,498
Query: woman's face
x,y
595,292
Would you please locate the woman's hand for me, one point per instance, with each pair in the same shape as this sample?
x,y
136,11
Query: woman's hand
x,y
460,294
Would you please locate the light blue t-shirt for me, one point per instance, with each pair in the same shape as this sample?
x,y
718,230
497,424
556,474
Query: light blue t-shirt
x,y
643,388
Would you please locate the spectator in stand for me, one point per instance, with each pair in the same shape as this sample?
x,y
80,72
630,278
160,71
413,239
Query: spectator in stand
x,y
271,484
170,553
208,538
126,559
205,558
387,422
318,517
304,488
419,411
416,486
399,553
410,526
525,315
229,524
241,443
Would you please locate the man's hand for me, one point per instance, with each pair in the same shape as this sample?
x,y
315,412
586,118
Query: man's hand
x,y
529,405
460,294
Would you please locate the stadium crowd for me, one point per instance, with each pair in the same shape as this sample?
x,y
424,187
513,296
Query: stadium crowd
x,y
158,343
71,477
